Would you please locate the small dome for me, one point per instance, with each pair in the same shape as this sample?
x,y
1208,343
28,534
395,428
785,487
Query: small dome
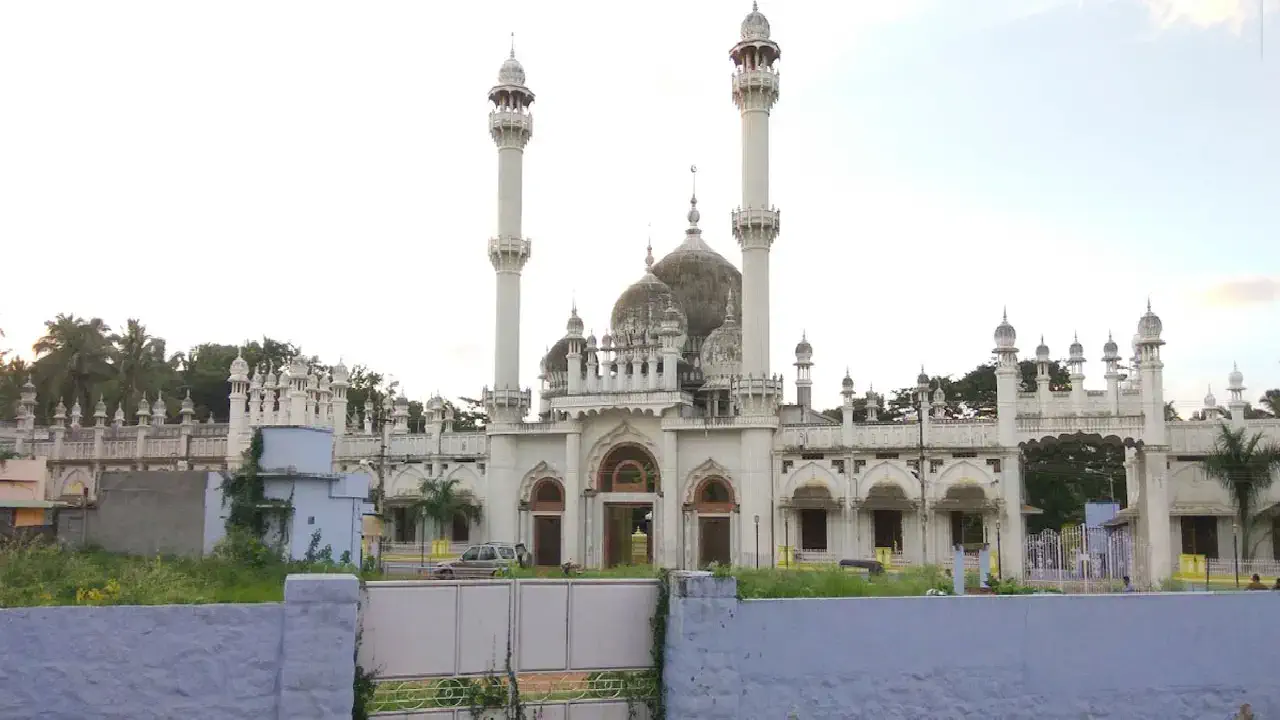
x,y
1076,349
512,72
722,352
639,310
922,378
755,26
606,342
340,373
1110,351
1235,380
1005,335
1042,351
1209,400
803,347
847,382
591,340
1149,326
939,396
239,368
574,326
701,279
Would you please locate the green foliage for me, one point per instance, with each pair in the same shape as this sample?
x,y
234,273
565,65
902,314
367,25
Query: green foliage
x,y
656,698
441,502
365,685
1243,464
244,491
1060,477
835,582
35,572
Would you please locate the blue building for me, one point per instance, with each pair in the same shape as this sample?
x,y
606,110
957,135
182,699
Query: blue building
x,y
296,467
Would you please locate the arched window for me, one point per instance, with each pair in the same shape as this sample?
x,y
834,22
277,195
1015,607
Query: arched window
x,y
629,468
714,496
548,496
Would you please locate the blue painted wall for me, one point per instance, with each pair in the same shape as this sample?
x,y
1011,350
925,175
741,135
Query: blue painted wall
x,y
293,660
1134,656
307,450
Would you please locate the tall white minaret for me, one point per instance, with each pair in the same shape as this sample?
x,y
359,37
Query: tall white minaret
x,y
755,223
511,126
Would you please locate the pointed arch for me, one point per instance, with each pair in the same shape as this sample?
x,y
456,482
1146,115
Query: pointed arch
x,y
543,470
467,480
622,435
407,482
962,473
811,473
72,483
709,469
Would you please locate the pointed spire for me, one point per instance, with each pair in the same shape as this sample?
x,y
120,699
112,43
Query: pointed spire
x,y
1004,314
648,258
513,46
728,307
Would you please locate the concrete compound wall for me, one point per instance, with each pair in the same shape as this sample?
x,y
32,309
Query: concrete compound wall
x,y
294,660
1132,656
142,513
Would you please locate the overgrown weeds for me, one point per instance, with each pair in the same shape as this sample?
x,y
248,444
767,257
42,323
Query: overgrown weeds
x,y
35,572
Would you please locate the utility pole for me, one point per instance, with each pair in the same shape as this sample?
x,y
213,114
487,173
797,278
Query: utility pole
x,y
924,516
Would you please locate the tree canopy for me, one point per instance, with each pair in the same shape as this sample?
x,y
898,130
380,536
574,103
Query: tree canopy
x,y
82,359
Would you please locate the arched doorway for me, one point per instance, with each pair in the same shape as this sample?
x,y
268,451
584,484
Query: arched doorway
x,y
714,505
887,502
968,506
627,473
547,505
812,503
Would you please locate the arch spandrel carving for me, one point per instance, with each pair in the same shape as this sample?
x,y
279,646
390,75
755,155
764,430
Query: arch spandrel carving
x,y
624,433
538,472
708,468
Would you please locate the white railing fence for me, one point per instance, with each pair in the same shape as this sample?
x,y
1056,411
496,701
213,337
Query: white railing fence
x,y
579,643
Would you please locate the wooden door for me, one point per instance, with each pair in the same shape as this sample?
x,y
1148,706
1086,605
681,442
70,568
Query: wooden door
x,y
713,541
546,540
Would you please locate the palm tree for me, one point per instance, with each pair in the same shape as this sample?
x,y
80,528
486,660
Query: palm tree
x,y
139,362
1244,466
72,358
1271,401
442,501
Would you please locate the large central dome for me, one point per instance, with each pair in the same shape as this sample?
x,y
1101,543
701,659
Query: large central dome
x,y
701,280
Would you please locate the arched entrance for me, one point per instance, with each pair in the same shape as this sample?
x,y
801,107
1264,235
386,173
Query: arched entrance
x,y
714,505
629,479
887,502
547,505
968,506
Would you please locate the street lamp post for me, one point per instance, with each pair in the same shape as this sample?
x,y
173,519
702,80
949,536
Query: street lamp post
x,y
1235,550
924,516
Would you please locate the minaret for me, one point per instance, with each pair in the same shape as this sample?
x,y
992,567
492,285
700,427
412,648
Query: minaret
x,y
237,416
846,409
804,372
1008,378
755,225
510,126
1075,367
1111,356
1236,404
1154,458
756,222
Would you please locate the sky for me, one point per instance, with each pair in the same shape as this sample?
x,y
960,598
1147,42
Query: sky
x,y
321,172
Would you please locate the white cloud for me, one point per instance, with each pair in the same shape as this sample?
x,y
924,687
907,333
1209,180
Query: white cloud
x,y
1229,14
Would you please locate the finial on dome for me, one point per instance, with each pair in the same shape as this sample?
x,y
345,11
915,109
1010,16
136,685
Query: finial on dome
x,y
728,310
648,257
1004,314
513,46
755,7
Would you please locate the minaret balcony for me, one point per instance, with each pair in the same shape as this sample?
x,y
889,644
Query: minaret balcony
x,y
508,251
510,128
508,398
756,227
756,89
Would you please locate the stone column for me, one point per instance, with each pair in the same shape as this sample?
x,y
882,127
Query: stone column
x,y
572,524
1155,516
318,648
668,554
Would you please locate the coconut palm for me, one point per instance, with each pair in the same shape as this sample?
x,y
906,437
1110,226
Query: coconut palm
x,y
72,359
442,501
1271,401
139,362
1244,465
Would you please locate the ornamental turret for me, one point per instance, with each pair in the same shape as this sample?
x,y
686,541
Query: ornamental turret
x,y
804,372
1151,371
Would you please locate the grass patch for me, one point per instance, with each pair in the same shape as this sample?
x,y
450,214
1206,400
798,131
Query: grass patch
x,y
39,573
833,581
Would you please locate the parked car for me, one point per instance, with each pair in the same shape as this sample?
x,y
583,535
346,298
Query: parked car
x,y
491,559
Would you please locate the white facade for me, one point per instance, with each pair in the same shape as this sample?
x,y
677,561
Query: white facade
x,y
674,424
